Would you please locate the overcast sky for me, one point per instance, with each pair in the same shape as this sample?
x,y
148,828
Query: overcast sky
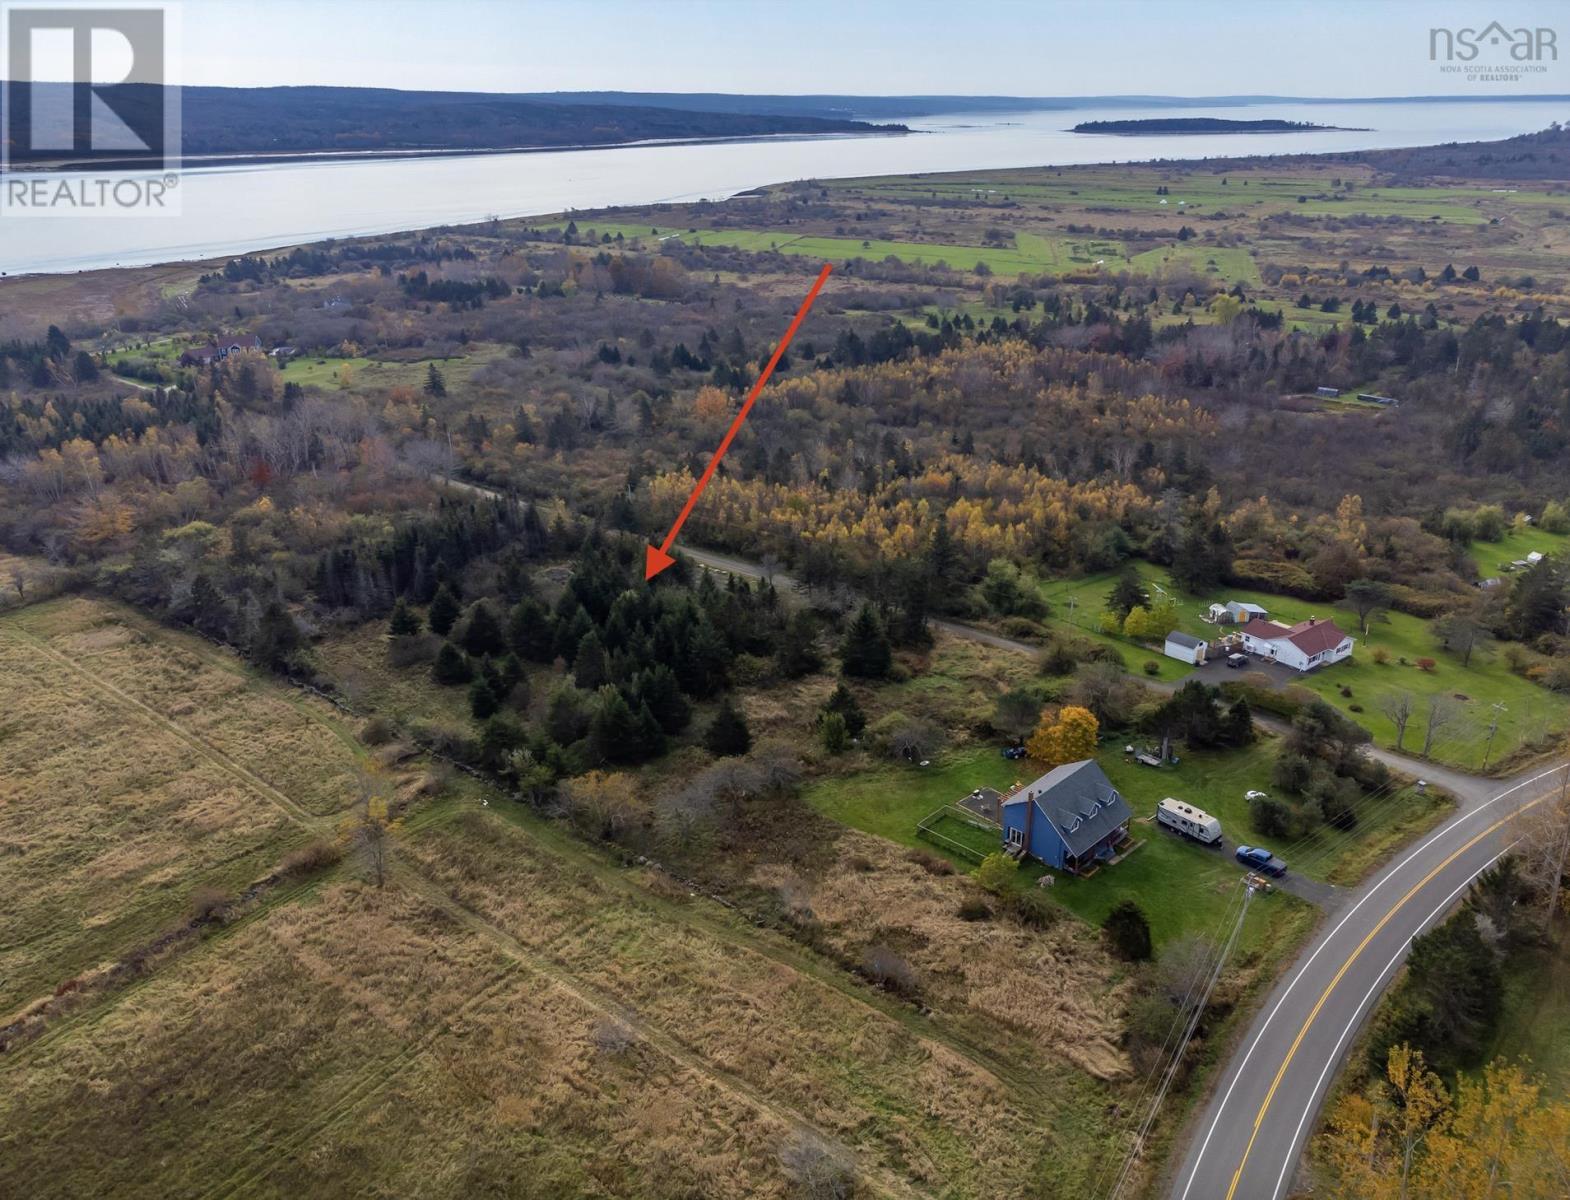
x,y
867,47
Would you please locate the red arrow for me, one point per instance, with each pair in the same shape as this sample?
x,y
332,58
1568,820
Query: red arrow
x,y
657,558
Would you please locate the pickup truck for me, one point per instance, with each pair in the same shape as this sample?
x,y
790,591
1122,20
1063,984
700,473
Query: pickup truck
x,y
1260,859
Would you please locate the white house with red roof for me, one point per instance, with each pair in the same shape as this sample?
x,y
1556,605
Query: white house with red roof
x,y
1303,647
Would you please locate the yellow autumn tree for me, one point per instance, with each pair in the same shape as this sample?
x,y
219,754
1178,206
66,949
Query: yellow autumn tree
x,y
1404,1139
1069,735
711,405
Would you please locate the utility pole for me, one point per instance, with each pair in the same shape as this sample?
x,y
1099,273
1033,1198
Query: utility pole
x,y
1493,728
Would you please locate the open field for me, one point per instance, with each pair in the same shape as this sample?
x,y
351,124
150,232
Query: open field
x,y
1231,265
1529,711
1253,191
511,1014
1031,254
364,1042
116,813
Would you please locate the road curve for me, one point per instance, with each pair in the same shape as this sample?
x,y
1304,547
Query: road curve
x,y
1246,1142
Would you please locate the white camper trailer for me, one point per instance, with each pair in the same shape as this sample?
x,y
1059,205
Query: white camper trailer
x,y
1189,821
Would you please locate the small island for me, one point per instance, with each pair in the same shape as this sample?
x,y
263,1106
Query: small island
x,y
1204,125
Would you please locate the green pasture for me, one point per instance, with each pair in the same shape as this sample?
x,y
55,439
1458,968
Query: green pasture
x,y
1528,711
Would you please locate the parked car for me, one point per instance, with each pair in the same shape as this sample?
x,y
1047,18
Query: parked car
x,y
1255,796
1013,752
1237,661
1260,859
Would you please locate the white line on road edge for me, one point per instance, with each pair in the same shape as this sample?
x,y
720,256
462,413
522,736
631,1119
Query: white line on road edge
x,y
1335,1057
1390,873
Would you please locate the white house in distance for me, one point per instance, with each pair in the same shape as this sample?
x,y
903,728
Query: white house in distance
x,y
1304,646
1185,648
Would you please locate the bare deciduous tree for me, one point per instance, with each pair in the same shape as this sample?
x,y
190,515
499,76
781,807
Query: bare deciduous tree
x,y
1399,707
1442,710
1543,845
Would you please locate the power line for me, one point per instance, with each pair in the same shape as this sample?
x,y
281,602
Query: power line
x,y
1201,971
1177,1058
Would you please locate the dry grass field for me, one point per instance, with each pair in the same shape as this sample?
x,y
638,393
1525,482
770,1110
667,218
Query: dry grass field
x,y
111,819
512,1014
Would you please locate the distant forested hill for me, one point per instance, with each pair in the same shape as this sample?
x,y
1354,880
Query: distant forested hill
x,y
311,119
1196,125
1541,155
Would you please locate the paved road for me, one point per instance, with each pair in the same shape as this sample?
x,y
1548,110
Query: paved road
x,y
1245,1144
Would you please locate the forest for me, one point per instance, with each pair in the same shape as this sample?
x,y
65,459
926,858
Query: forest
x,y
422,493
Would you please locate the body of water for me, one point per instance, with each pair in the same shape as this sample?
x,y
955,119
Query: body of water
x,y
230,210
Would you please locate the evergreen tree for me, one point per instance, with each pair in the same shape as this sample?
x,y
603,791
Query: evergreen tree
x,y
451,667
798,649
435,385
842,702
942,563
836,738
728,733
277,639
529,631
865,653
566,719
1238,727
482,634
658,690
513,683
614,726
1127,594
405,622
1537,601
483,701
1129,932
444,611
590,668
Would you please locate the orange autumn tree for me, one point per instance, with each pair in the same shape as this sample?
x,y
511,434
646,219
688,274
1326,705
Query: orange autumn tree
x,y
1069,735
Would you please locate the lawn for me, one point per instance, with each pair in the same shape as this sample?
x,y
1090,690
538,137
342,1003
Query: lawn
x,y
1492,558
1529,712
889,799
1077,604
1182,887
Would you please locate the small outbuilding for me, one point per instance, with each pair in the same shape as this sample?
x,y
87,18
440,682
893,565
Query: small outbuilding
x,y
1242,613
1185,648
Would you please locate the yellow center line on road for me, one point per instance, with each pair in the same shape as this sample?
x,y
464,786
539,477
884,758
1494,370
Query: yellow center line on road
x,y
1345,967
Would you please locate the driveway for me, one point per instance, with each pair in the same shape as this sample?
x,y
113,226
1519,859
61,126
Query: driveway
x,y
1246,1142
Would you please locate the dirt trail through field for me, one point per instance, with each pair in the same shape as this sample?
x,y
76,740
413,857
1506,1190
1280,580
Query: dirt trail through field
x,y
374,1080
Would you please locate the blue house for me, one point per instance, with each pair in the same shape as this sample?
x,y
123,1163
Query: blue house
x,y
1070,818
